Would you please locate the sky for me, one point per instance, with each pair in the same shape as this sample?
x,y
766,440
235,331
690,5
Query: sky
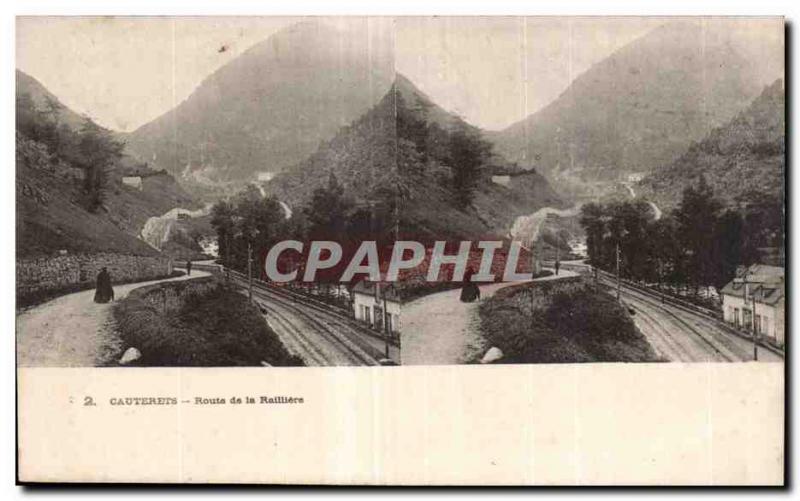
x,y
496,71
493,71
124,72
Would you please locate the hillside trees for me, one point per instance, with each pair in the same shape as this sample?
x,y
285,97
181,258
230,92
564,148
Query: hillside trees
x,y
98,152
91,148
697,245
248,220
456,145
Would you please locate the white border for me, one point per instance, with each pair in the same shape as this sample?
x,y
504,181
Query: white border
x,y
239,7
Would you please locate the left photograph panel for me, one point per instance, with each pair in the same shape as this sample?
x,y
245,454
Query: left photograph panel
x,y
157,162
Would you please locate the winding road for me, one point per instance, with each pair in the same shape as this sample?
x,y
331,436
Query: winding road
x,y
72,330
439,329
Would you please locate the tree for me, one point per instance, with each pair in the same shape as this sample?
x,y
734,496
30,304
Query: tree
x,y
98,153
592,219
329,211
222,220
467,152
696,216
728,241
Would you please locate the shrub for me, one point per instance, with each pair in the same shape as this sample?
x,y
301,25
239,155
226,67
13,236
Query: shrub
x,y
215,328
562,322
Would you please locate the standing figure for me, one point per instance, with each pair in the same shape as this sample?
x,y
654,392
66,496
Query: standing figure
x,y
469,291
558,265
104,292
189,266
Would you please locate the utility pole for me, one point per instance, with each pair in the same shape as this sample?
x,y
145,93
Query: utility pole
x,y
755,333
618,278
753,313
386,332
250,271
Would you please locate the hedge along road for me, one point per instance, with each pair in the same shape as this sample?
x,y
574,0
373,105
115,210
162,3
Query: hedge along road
x,y
440,329
73,330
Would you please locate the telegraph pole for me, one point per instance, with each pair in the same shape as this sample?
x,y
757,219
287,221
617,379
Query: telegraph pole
x,y
753,314
250,271
386,332
618,279
755,334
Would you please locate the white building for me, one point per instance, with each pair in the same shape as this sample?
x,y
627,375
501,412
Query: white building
x,y
502,180
760,286
636,177
374,305
133,181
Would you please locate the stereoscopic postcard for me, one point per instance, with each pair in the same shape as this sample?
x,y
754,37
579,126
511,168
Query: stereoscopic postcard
x,y
401,250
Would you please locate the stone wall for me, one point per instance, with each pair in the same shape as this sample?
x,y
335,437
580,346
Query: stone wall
x,y
39,276
168,297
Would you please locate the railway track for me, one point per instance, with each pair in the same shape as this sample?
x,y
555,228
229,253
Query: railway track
x,y
315,331
681,334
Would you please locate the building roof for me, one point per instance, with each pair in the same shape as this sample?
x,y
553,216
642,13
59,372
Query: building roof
x,y
368,288
764,281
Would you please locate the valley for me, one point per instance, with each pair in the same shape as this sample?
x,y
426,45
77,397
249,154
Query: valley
x,y
663,161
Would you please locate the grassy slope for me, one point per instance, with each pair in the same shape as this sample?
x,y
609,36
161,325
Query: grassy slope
x,y
219,328
746,153
561,322
50,216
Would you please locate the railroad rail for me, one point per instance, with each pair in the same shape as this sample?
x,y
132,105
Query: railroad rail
x,y
715,333
320,333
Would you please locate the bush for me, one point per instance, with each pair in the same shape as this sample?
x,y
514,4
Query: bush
x,y
567,321
216,328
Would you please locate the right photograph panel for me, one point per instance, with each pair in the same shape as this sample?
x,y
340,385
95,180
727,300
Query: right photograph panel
x,y
591,189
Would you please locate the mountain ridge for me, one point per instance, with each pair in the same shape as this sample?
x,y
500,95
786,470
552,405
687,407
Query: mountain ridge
x,y
400,148
679,83
271,106
746,154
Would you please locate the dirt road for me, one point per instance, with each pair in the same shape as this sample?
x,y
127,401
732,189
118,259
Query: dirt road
x,y
439,329
73,330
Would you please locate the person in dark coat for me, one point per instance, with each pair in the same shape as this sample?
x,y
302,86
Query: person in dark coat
x,y
469,291
188,266
104,292
558,265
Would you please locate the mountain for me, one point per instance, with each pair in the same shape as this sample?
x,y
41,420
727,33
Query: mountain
x,y
745,155
272,106
638,109
51,170
404,148
27,85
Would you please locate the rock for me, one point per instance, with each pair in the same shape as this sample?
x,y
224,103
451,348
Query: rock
x,y
130,355
494,354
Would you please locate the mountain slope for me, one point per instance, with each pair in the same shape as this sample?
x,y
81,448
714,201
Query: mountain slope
x,y
51,206
638,109
272,106
402,148
747,154
26,84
